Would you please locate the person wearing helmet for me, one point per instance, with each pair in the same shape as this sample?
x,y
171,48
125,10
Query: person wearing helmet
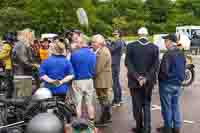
x,y
45,123
141,78
5,57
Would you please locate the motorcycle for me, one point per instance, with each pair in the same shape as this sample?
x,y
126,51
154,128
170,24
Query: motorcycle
x,y
15,113
189,72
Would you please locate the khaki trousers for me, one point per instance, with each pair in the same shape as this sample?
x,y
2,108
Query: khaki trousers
x,y
23,86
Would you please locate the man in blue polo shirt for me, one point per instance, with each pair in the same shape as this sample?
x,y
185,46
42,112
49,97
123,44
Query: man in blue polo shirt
x,y
83,61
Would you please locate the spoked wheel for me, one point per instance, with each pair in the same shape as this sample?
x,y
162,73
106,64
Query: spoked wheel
x,y
3,118
189,77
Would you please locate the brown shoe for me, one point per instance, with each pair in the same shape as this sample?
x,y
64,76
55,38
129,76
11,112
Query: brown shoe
x,y
176,130
164,130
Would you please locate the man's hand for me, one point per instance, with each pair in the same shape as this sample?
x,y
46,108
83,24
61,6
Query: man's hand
x,y
61,82
56,82
142,81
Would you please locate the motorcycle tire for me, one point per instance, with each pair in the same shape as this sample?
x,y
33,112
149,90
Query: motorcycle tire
x,y
189,77
3,119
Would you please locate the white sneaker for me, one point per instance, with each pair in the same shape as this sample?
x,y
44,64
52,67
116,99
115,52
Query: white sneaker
x,y
116,105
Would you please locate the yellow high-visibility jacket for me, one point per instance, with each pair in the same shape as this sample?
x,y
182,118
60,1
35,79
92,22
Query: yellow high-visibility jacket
x,y
5,56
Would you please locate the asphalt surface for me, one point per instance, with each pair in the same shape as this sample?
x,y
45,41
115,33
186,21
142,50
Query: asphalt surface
x,y
190,106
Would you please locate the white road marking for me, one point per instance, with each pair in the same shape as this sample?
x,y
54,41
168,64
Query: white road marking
x,y
155,107
189,122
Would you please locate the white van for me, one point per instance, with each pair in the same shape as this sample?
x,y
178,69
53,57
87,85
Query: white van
x,y
188,30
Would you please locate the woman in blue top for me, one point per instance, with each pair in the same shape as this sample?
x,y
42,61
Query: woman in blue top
x,y
57,71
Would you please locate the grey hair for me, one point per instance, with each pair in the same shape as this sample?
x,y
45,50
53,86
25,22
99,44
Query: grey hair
x,y
100,39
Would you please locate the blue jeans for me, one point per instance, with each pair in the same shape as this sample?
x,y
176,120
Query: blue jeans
x,y
170,98
116,84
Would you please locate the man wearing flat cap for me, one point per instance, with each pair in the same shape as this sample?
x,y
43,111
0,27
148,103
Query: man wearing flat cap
x,y
171,75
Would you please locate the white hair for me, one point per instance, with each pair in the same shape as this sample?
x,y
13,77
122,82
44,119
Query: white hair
x,y
143,31
99,39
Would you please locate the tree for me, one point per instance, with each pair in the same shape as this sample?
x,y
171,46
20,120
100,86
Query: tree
x,y
12,3
51,16
13,19
120,23
158,10
127,15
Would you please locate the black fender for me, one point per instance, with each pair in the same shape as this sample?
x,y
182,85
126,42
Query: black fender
x,y
190,66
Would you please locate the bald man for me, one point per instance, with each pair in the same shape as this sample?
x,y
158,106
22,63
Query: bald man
x,y
103,77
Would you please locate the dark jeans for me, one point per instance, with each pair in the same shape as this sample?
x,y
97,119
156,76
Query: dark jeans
x,y
170,98
142,108
116,84
9,77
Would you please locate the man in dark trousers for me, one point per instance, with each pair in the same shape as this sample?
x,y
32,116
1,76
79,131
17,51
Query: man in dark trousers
x,y
116,49
171,75
142,62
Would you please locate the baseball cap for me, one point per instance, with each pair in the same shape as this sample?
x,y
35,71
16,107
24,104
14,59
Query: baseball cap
x,y
171,37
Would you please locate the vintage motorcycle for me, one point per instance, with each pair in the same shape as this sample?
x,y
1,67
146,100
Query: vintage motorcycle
x,y
189,72
15,113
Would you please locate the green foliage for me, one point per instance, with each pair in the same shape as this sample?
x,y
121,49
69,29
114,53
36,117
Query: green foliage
x,y
120,23
158,10
126,15
12,19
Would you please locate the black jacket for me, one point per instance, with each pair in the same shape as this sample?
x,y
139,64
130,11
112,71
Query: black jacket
x,y
142,59
116,50
22,59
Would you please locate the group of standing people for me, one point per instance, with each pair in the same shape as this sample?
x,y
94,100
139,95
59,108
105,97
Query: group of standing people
x,y
91,70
